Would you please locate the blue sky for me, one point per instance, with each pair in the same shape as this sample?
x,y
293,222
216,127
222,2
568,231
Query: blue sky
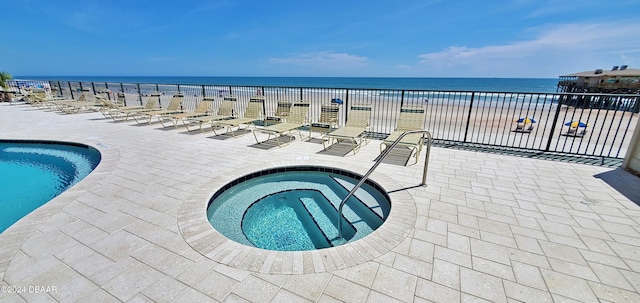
x,y
518,38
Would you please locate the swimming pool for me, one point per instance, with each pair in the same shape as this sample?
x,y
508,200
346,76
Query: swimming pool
x,y
34,172
295,208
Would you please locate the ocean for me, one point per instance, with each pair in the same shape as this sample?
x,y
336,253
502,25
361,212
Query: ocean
x,y
525,85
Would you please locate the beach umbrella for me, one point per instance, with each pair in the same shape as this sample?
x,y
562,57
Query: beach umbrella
x,y
576,124
526,120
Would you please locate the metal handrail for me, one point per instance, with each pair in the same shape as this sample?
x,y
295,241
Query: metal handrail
x,y
382,156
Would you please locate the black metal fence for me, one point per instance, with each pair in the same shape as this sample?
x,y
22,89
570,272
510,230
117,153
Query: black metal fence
x,y
581,124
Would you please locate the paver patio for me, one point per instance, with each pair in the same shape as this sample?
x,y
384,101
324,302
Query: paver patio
x,y
486,228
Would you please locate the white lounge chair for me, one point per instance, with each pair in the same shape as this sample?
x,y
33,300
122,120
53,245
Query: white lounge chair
x,y
296,119
253,113
121,114
354,130
174,107
225,111
411,118
203,109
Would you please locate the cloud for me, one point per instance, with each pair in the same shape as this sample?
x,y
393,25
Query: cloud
x,y
569,45
323,60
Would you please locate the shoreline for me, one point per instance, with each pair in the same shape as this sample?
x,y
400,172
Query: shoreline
x,y
530,85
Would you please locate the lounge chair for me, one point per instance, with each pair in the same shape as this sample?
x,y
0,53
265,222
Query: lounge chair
x,y
119,105
61,104
574,128
296,119
282,111
328,119
108,106
576,132
104,105
203,109
121,99
411,118
253,113
174,107
354,130
523,128
38,98
121,114
86,101
225,111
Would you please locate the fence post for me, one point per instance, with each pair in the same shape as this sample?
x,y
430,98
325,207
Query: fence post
x,y
346,107
553,125
466,130
203,92
139,93
106,85
70,89
60,94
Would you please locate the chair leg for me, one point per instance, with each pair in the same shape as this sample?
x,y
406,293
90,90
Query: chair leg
x,y
213,128
187,123
354,146
417,154
162,119
256,137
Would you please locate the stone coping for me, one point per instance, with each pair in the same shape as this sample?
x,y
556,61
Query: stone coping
x,y
202,237
13,237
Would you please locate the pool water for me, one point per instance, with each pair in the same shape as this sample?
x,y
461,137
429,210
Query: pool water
x,y
31,174
297,210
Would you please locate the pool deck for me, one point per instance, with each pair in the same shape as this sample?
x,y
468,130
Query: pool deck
x,y
486,228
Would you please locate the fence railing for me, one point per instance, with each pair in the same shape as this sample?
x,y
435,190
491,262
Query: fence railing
x,y
603,122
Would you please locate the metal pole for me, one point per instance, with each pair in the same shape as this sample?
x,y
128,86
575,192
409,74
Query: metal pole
x,y
346,107
466,130
384,155
106,85
70,89
426,160
553,124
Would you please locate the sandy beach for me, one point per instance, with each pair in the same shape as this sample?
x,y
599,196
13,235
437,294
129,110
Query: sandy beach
x,y
449,115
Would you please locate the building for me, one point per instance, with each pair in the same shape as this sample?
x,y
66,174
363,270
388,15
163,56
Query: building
x,y
618,80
